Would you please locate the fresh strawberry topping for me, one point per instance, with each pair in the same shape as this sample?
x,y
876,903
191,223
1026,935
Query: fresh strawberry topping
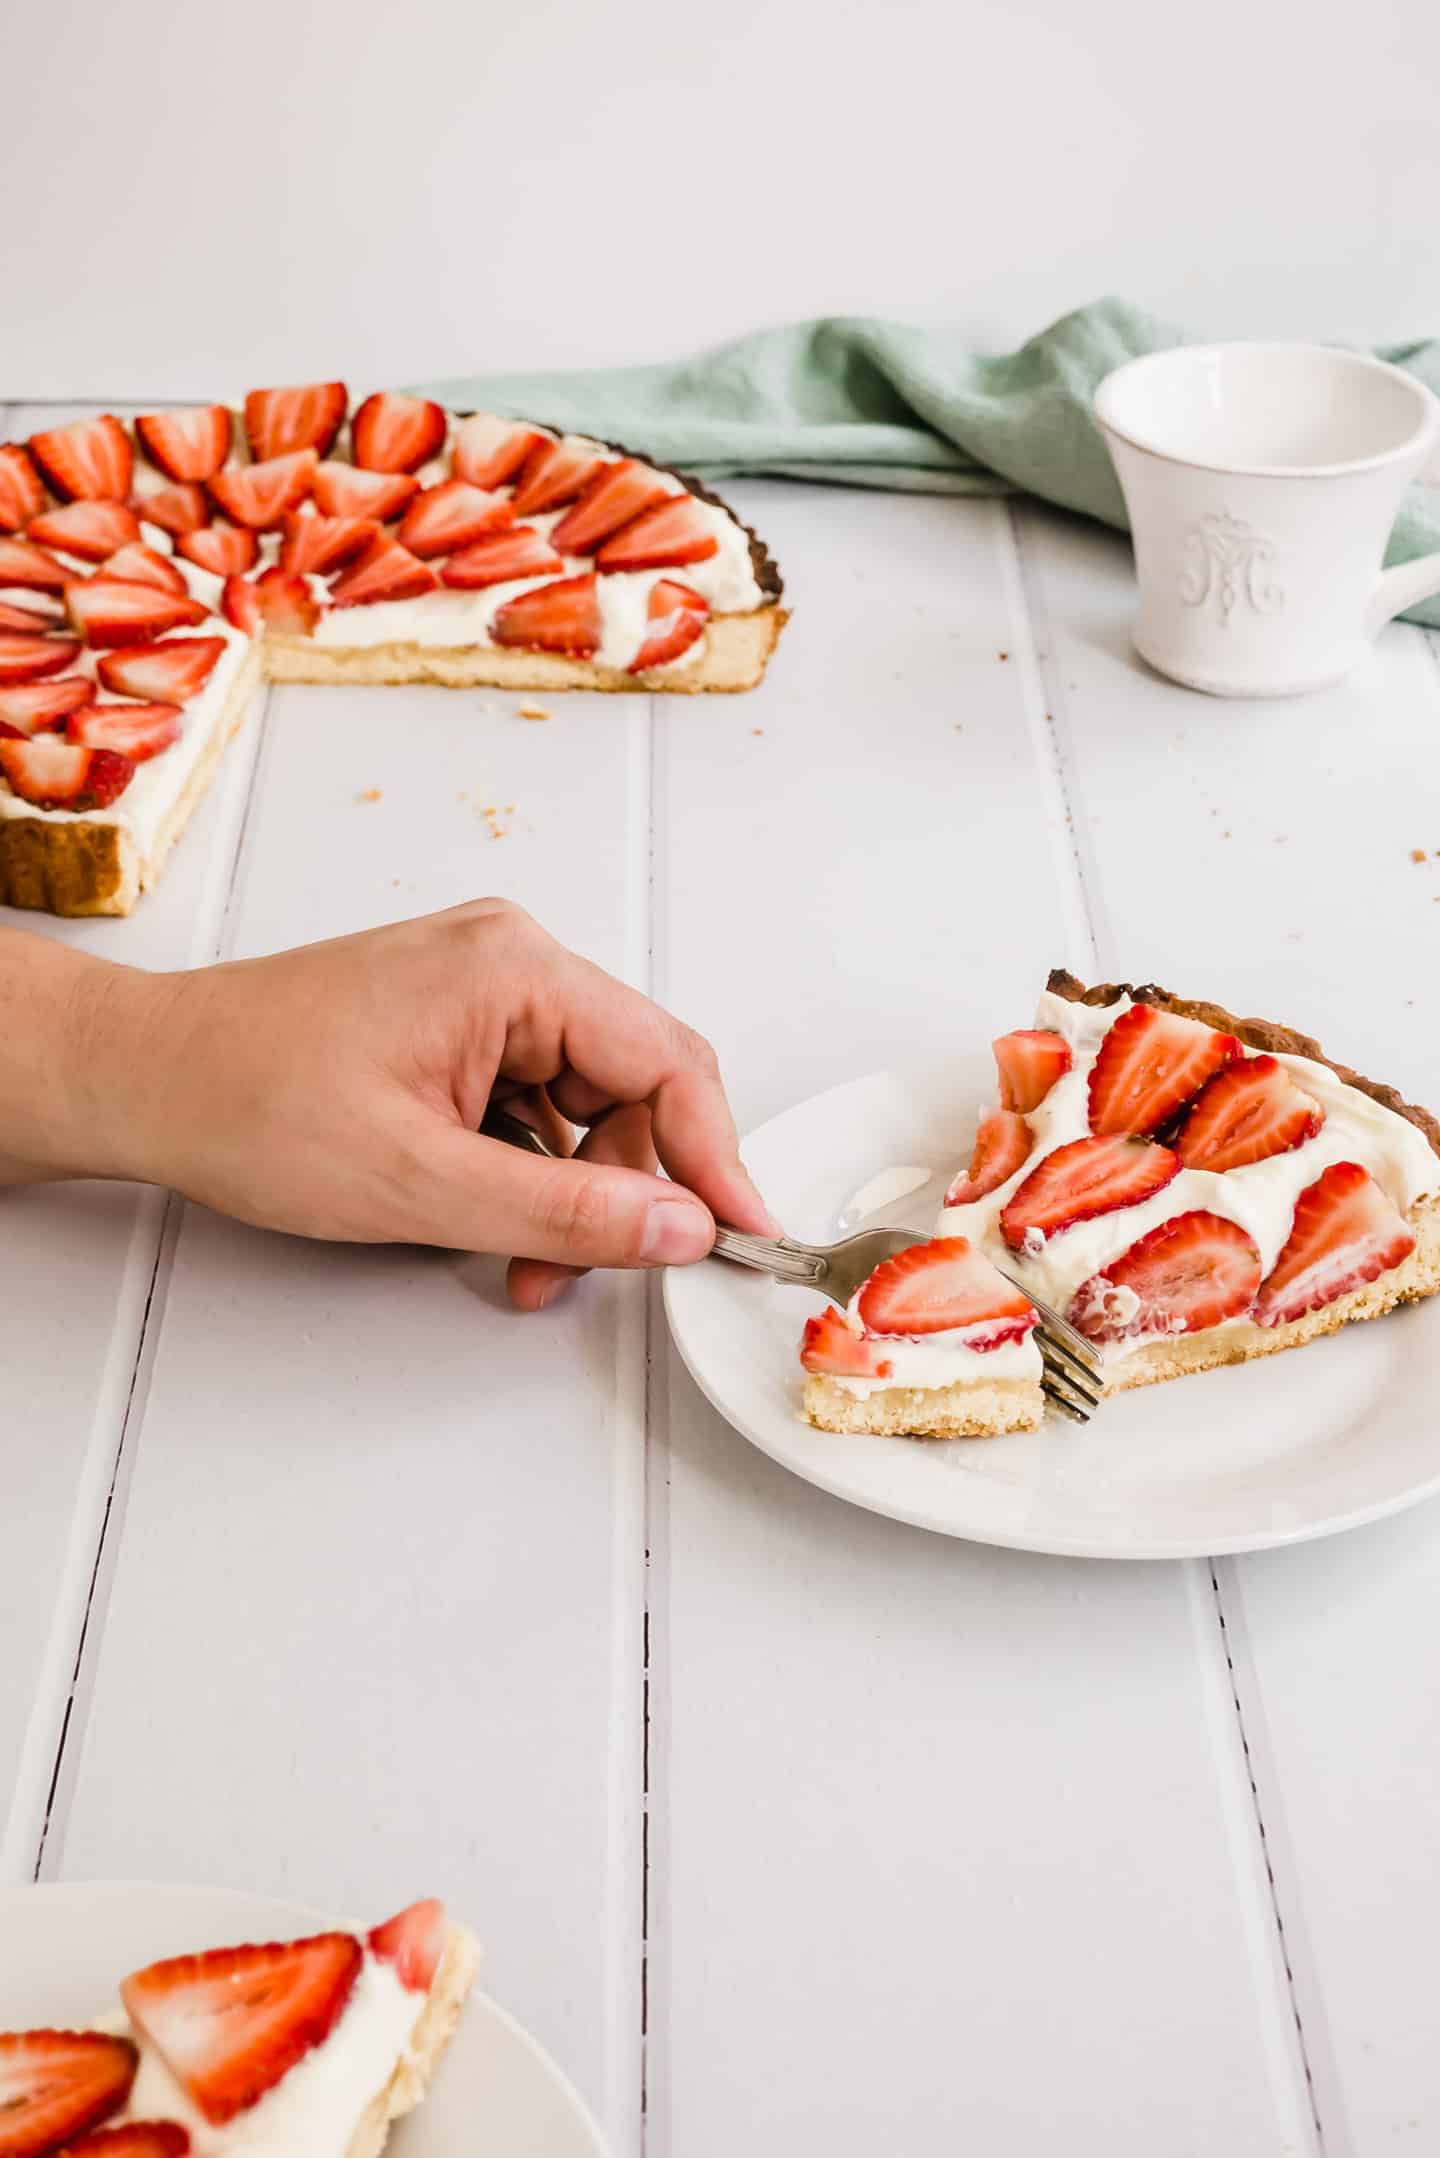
x,y
559,617
1079,1181
88,461
412,1942
488,451
107,611
304,418
34,621
392,433
139,564
54,2085
553,475
1002,1145
174,509
35,707
840,1351
9,733
1188,1273
1029,1062
675,617
23,563
188,444
275,598
314,544
136,2139
230,2023
342,491
934,1288
138,731
504,556
1345,1233
1150,1064
617,493
261,496
672,533
22,495
62,775
1249,1111
452,515
386,570
91,530
222,549
169,673
28,658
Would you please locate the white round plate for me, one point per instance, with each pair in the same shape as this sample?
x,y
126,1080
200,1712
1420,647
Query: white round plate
x,y
1272,1452
64,1947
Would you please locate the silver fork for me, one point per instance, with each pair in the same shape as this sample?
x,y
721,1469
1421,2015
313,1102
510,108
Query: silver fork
x,y
1073,1377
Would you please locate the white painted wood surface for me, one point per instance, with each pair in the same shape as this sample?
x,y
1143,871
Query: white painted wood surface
x,y
955,1847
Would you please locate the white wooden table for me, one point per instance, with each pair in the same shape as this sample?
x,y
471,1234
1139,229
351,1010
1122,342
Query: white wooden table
x,y
788,1829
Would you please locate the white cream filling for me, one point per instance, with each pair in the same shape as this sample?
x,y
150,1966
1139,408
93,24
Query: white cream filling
x,y
931,1360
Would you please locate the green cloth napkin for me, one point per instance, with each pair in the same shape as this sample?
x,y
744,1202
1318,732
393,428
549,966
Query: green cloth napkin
x,y
882,404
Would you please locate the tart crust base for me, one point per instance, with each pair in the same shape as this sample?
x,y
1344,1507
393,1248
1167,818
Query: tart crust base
x,y
978,1411
432,2034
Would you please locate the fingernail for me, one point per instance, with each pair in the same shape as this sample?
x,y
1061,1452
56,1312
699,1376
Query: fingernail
x,y
675,1232
548,1295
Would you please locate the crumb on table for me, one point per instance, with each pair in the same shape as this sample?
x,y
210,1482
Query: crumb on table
x,y
369,794
1417,854
757,730
533,711
1004,655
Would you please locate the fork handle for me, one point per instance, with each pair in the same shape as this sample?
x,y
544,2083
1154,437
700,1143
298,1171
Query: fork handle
x,y
778,1257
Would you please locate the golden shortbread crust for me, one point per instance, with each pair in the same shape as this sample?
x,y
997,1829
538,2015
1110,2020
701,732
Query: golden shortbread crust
x,y
438,2018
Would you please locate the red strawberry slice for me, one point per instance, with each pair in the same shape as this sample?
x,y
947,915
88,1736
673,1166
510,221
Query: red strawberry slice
x,y
307,417
412,1942
261,496
675,617
230,2023
35,707
62,775
174,509
275,599
386,570
222,549
452,515
168,673
1150,1064
501,558
1249,1111
136,2139
554,474
313,544
23,563
139,564
831,1347
1345,1233
9,733
617,493
342,491
22,493
1085,1178
1029,1062
488,451
34,621
93,530
1186,1274
109,612
933,1288
673,533
88,461
188,444
27,658
56,2084
1002,1145
391,433
138,731
560,617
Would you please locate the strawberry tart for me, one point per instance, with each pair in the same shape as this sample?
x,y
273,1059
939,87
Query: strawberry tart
x,y
151,576
1189,1189
278,2049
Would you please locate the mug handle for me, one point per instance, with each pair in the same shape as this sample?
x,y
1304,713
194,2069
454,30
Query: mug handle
x,y
1409,582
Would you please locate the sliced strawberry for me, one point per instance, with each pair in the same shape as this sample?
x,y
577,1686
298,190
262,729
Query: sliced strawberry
x,y
1249,1111
35,707
342,491
1150,1064
136,2139
1002,1145
62,775
452,515
138,731
386,570
1029,1062
109,612
554,474
1079,1181
22,493
139,564
93,530
169,673
34,621
56,2084
936,1287
673,533
261,496
9,733
308,417
392,433
488,451
88,461
47,608
838,1350
1188,1273
230,2023
1345,1232
560,617
502,558
617,493
21,562
412,1942
27,658
222,549
190,443
675,617
314,544
174,509
281,602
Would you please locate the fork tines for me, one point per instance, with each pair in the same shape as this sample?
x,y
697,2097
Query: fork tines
x,y
1074,1379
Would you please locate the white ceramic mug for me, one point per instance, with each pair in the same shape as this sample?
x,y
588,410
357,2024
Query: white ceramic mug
x,y
1262,481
